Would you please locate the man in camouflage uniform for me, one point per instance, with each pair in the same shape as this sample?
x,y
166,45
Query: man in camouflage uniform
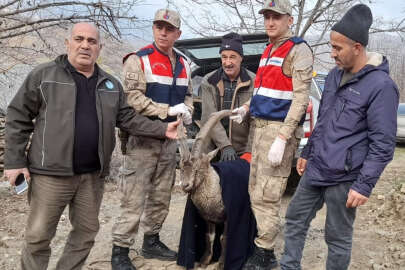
x,y
227,88
278,106
157,81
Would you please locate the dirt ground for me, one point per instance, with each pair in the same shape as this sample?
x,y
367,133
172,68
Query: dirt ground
x,y
379,238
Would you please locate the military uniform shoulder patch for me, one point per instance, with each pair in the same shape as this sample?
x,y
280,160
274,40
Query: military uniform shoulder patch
x,y
297,40
145,51
140,53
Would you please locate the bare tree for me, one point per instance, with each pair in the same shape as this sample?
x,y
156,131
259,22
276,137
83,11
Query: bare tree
x,y
24,24
313,18
395,52
32,31
19,17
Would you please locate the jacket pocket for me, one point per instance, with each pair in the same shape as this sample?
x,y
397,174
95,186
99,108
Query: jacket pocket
x,y
355,157
340,108
349,161
274,189
358,154
350,114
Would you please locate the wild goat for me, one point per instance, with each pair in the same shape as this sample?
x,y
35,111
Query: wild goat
x,y
202,182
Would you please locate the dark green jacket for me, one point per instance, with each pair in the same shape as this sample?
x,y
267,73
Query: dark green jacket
x,y
48,95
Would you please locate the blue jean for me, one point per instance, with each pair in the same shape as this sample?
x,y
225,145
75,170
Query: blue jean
x,y
306,201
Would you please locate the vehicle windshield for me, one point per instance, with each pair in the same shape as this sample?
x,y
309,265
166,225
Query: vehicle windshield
x,y
401,109
213,52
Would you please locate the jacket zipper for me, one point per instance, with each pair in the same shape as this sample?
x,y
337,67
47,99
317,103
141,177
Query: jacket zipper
x,y
44,130
233,105
99,109
341,109
74,123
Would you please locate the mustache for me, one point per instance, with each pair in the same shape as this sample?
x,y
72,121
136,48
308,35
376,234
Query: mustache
x,y
230,66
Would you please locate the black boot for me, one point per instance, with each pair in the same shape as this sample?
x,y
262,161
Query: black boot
x,y
153,248
261,259
120,259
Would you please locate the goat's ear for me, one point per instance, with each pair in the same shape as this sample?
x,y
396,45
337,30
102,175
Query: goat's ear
x,y
212,154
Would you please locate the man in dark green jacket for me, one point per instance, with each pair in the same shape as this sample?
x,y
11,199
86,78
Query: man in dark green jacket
x,y
76,106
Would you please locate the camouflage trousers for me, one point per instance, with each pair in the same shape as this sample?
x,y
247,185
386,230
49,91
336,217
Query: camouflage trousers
x,y
267,183
148,175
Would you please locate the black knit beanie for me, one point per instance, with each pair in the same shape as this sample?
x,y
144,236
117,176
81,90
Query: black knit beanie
x,y
232,41
355,24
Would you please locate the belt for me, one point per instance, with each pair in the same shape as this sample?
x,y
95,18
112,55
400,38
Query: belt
x,y
260,123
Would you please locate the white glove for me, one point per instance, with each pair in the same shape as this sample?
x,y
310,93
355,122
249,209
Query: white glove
x,y
276,151
187,119
238,114
178,109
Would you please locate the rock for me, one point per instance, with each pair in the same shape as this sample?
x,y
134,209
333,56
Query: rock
x,y
395,256
402,255
403,189
380,197
376,266
7,238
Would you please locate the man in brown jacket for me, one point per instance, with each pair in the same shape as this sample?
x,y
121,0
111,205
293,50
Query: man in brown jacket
x,y
228,87
76,106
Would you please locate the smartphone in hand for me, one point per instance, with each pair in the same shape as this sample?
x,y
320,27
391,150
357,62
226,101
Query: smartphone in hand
x,y
21,184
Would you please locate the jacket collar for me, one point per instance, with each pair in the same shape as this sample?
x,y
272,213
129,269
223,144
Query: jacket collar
x,y
375,61
282,39
176,55
71,68
62,61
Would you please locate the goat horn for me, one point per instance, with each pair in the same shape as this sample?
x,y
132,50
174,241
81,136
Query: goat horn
x,y
203,134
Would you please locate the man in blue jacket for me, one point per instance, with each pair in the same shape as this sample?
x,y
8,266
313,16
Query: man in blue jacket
x,y
353,141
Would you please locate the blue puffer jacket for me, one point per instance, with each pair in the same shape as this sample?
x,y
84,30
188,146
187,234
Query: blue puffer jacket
x,y
354,138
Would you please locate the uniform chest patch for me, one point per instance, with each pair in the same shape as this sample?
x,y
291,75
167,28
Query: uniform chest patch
x,y
159,66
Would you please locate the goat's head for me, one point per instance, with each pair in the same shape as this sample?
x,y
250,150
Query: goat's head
x,y
195,170
194,166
